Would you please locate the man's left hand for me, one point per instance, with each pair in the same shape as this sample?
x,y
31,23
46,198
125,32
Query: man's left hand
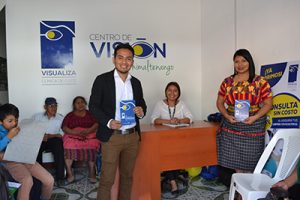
x,y
139,111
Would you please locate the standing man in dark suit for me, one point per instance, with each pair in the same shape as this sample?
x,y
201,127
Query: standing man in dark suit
x,y
120,143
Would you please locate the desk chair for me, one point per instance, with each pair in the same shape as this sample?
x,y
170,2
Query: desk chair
x,y
257,185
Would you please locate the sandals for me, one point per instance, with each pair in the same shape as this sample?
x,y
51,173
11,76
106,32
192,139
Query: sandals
x,y
71,179
92,180
64,182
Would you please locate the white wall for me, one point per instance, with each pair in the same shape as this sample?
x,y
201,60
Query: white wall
x,y
202,37
268,29
173,22
217,47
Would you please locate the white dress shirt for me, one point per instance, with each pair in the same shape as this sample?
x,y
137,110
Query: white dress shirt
x,y
161,111
123,92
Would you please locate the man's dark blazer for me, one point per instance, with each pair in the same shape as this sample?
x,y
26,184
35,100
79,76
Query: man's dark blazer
x,y
102,102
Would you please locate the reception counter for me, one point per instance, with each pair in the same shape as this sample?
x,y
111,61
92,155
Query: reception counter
x,y
165,148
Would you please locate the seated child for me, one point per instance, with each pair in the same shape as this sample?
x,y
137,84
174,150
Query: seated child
x,y
21,172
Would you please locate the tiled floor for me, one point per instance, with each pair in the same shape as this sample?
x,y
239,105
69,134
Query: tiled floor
x,y
198,189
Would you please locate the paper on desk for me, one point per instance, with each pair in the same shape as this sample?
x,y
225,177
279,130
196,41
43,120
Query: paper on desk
x,y
176,125
25,146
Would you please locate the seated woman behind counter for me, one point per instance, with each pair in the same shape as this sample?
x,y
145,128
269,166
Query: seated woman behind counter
x,y
171,111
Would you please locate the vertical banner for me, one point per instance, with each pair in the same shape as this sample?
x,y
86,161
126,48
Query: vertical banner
x,y
285,113
57,52
284,81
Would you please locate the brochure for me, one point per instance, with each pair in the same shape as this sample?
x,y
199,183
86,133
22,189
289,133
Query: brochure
x,y
126,112
241,110
176,125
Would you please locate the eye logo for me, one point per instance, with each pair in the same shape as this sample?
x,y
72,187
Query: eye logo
x,y
57,44
142,49
239,106
53,35
127,105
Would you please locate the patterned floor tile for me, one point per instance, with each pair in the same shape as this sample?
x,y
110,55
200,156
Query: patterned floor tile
x,y
82,189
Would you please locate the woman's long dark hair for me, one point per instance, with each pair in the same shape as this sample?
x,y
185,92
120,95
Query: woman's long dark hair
x,y
246,54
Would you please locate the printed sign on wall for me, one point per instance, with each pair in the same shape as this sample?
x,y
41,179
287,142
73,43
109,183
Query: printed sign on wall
x,y
284,80
150,56
57,52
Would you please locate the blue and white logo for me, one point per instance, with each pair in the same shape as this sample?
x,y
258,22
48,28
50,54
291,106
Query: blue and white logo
x,y
57,44
150,56
143,49
293,70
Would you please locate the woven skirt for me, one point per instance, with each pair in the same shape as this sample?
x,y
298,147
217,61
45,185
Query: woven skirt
x,y
80,149
240,145
81,154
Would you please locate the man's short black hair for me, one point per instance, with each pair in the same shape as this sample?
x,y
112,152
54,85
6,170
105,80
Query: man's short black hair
x,y
123,46
8,109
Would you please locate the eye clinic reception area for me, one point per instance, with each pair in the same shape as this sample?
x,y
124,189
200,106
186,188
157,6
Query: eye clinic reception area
x,y
197,55
191,42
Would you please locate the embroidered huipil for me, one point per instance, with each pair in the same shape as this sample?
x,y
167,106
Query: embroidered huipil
x,y
256,92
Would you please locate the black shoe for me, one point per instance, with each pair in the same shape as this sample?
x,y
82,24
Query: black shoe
x,y
63,182
175,192
58,183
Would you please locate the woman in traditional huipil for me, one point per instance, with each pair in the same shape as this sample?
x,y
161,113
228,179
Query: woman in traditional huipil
x,y
241,143
80,142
